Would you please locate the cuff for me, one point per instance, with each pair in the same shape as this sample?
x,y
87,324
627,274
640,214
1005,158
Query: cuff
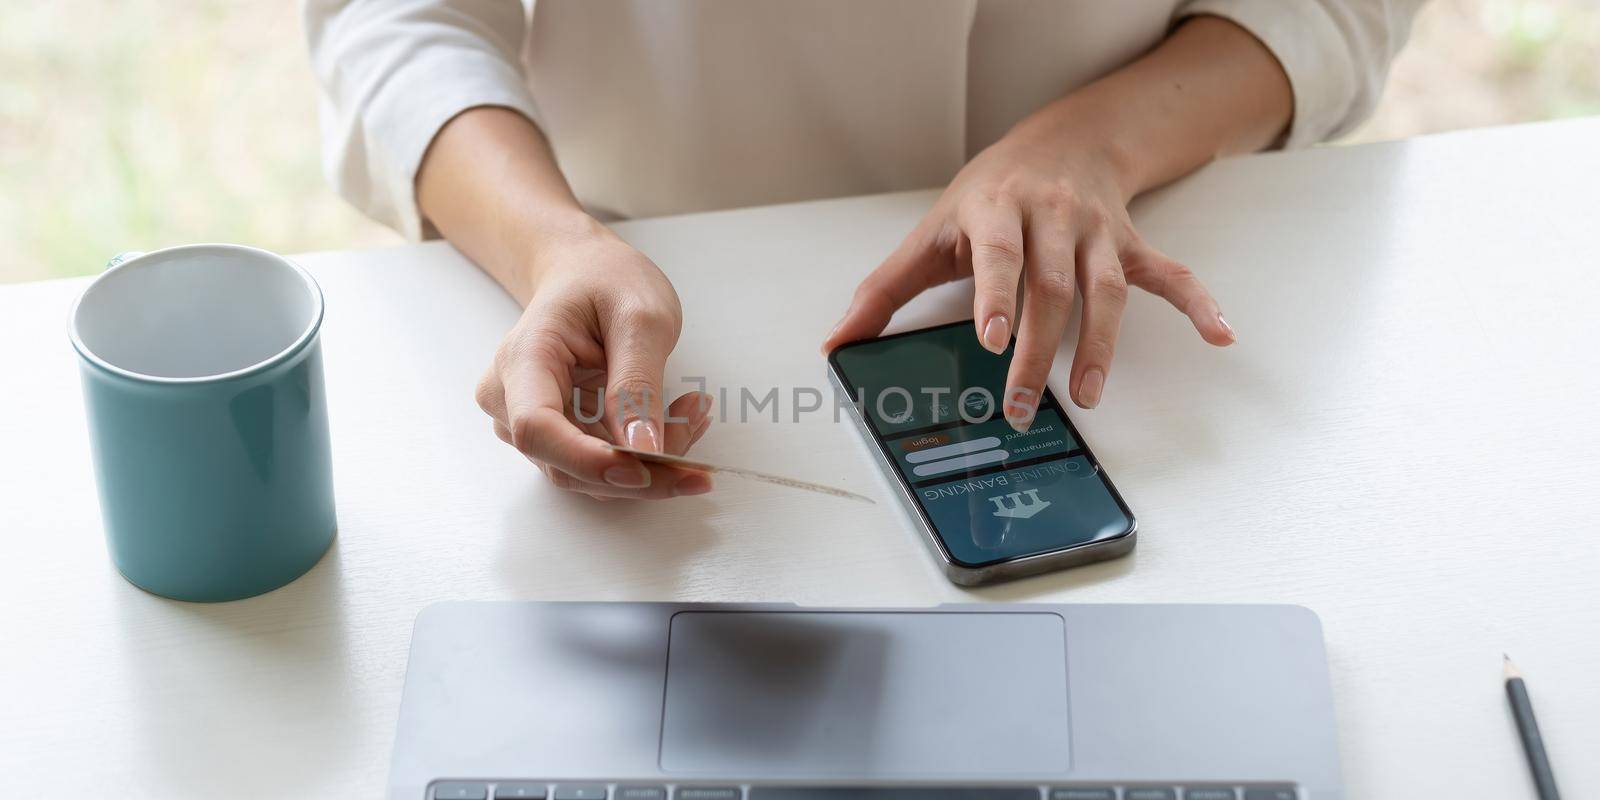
x,y
419,98
1310,48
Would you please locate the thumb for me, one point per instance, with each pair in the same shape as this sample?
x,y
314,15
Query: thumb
x,y
894,283
636,358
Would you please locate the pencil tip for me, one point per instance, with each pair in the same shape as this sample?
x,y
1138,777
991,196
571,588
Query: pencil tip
x,y
1511,670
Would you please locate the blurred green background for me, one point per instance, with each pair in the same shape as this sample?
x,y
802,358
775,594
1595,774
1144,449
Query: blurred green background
x,y
139,124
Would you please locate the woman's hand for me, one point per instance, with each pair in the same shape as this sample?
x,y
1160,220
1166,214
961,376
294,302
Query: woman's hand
x,y
1049,213
1046,207
601,317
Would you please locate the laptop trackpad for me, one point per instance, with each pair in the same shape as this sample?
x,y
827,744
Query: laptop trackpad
x,y
871,694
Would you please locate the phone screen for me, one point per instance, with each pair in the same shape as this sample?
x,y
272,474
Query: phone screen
x,y
933,401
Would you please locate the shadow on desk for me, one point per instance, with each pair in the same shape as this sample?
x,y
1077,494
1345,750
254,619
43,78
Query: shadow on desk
x,y
642,552
268,675
1053,583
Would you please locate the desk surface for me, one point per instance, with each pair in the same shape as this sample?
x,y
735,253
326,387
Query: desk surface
x,y
1405,439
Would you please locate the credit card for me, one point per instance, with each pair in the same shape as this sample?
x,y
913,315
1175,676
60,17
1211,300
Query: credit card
x,y
741,472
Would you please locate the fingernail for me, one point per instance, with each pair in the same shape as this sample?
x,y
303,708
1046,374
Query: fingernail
x,y
997,334
641,435
1225,326
701,413
1089,388
1020,408
1022,419
628,477
829,338
692,485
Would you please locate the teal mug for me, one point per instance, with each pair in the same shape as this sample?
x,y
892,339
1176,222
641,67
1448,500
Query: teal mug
x,y
202,381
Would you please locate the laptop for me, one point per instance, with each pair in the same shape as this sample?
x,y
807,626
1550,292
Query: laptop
x,y
673,701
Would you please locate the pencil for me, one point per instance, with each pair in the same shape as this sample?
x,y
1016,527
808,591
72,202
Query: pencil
x,y
1528,728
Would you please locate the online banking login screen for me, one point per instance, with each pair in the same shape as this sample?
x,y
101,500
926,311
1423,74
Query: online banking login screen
x,y
992,493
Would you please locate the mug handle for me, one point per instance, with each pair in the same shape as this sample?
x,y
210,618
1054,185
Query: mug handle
x,y
126,255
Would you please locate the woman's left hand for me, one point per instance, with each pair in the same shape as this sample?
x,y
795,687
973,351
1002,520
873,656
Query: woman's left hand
x,y
1045,209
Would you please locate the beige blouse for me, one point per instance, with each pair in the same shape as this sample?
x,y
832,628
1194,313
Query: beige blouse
x,y
672,106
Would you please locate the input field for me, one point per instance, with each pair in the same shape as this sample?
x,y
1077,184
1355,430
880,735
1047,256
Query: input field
x,y
960,463
951,450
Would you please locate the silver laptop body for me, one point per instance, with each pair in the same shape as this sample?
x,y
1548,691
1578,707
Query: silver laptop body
x,y
671,701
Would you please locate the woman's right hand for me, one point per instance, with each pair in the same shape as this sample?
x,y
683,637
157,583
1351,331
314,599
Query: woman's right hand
x,y
600,317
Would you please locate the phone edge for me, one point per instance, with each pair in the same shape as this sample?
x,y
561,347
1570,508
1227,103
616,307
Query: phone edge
x,y
1009,569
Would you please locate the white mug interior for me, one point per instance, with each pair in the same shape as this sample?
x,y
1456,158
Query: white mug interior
x,y
196,312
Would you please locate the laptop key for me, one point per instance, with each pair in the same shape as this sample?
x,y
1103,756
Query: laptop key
x,y
581,791
519,790
460,790
892,793
641,793
1209,793
1149,793
1084,793
1270,793
708,793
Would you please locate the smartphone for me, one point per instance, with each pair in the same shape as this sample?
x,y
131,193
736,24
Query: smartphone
x,y
992,502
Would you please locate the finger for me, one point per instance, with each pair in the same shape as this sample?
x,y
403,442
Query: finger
x,y
599,429
665,479
666,482
699,431
1050,281
994,237
535,379
637,346
567,483
687,419
588,409
592,382
491,396
1152,271
557,478
1105,295
912,268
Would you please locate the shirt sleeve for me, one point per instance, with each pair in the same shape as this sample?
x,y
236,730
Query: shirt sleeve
x,y
393,72
1335,52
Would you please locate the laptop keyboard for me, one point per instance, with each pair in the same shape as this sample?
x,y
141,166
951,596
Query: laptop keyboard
x,y
541,790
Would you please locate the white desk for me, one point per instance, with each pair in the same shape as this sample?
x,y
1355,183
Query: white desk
x,y
1404,439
